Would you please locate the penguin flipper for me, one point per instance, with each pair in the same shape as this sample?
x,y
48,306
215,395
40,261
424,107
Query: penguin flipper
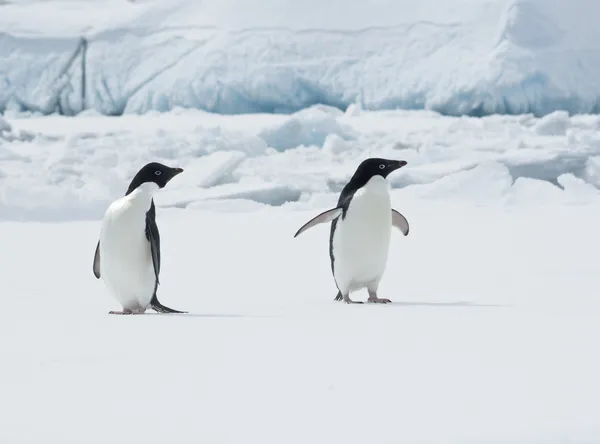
x,y
400,222
153,237
97,261
324,217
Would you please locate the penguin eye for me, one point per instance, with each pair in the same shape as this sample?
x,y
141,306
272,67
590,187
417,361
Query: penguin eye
x,y
158,172
382,166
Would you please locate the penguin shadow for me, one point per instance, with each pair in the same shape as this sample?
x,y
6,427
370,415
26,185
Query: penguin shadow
x,y
453,304
204,315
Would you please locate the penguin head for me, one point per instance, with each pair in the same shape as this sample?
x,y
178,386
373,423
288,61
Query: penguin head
x,y
154,172
377,167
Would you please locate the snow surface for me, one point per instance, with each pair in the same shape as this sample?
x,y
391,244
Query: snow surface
x,y
459,57
492,336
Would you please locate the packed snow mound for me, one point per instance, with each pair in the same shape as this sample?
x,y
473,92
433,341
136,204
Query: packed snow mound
x,y
4,126
8,134
73,167
230,56
308,127
487,182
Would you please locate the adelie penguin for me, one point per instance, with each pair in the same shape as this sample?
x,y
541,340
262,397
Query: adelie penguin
x,y
361,226
127,256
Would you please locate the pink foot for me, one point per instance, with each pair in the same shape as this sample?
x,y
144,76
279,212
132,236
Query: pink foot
x,y
124,312
376,300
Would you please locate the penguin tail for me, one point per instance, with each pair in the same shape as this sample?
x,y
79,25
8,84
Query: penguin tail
x,y
160,308
338,297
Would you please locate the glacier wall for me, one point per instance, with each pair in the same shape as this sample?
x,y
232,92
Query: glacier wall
x,y
226,56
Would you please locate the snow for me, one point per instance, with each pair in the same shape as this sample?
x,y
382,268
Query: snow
x,y
62,168
310,126
7,133
462,57
492,335
555,124
4,126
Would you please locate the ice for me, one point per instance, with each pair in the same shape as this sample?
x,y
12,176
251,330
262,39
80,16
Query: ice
x,y
253,190
534,192
228,56
353,109
592,171
487,182
335,144
7,133
308,127
211,170
577,186
554,124
4,126
71,167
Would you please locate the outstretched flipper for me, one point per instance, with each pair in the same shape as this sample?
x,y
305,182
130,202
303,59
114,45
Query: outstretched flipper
x,y
97,261
154,238
324,217
400,222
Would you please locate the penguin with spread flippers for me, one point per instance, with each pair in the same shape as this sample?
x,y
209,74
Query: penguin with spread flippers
x,y
361,229
127,255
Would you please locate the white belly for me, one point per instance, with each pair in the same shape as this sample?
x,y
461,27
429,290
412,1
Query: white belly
x,y
361,240
125,258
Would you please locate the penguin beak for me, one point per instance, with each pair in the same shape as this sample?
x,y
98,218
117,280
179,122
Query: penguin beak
x,y
396,164
175,172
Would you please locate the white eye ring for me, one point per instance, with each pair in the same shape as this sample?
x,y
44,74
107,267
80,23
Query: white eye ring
x,y
158,173
382,166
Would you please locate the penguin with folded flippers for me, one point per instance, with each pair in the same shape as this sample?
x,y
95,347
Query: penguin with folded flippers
x,y
127,256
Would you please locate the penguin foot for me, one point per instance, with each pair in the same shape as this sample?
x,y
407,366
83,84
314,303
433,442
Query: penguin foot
x,y
347,300
377,300
373,299
124,312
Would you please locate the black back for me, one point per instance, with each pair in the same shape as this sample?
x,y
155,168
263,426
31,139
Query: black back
x,y
368,168
159,174
153,237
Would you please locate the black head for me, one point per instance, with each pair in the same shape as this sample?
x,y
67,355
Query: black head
x,y
366,170
376,167
153,172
